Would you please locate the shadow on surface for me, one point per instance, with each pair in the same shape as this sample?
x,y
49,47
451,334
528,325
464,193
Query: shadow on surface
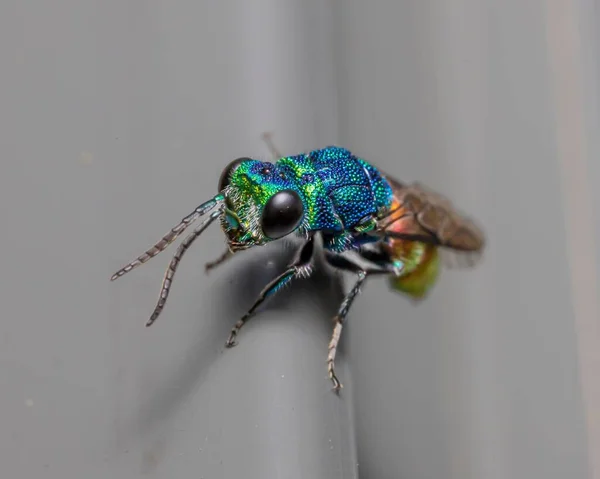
x,y
235,286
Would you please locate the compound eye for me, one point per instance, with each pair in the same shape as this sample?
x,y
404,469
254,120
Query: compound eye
x,y
282,214
229,169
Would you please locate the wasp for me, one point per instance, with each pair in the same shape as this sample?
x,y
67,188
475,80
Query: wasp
x,y
369,224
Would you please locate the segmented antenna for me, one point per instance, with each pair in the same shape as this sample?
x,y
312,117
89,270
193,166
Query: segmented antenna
x,y
169,237
170,273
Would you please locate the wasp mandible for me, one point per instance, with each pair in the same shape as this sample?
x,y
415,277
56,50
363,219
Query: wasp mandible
x,y
369,224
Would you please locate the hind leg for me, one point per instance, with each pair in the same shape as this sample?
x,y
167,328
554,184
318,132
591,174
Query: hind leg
x,y
268,139
342,263
339,320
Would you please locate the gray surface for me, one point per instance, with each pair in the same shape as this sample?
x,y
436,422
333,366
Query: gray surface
x,y
482,380
117,118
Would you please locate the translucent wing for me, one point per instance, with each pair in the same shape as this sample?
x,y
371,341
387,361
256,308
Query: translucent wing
x,y
453,259
419,214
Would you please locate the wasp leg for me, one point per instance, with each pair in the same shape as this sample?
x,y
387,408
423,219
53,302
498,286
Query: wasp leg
x,y
298,266
344,264
227,254
268,139
339,319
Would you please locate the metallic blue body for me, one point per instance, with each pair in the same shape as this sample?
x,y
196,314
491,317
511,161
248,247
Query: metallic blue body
x,y
342,194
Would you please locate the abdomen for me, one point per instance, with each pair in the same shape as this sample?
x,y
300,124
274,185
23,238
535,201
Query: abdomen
x,y
421,264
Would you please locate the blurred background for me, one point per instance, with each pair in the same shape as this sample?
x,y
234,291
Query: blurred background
x,y
116,119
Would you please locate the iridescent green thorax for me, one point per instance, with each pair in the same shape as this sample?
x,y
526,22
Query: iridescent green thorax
x,y
421,265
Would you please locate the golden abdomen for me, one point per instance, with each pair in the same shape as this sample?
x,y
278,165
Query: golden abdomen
x,y
421,265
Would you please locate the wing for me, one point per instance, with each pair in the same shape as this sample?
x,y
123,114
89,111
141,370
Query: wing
x,y
419,214
453,259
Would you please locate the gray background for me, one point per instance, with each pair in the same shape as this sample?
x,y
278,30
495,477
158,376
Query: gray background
x,y
116,119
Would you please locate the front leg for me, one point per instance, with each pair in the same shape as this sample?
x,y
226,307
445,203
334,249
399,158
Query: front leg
x,y
298,266
227,254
